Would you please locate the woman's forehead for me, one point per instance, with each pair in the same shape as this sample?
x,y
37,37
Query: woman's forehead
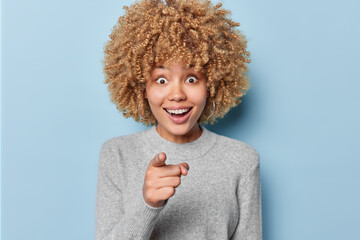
x,y
183,66
167,64
174,67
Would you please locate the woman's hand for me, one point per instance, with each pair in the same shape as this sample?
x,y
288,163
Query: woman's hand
x,y
161,180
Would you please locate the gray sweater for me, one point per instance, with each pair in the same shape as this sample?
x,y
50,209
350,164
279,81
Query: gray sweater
x,y
220,198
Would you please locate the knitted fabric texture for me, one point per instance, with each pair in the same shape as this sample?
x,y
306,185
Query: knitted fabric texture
x,y
220,198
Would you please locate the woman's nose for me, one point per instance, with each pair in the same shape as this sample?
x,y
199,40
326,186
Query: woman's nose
x,y
176,93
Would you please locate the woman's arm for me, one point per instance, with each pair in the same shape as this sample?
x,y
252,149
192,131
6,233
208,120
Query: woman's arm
x,y
112,221
249,197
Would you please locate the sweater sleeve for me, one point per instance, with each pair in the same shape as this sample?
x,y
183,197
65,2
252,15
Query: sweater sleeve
x,y
249,197
112,220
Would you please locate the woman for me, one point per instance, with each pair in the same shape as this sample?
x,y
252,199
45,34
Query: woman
x,y
174,66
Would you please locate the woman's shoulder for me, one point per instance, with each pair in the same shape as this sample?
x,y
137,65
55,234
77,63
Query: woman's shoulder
x,y
131,139
237,149
236,144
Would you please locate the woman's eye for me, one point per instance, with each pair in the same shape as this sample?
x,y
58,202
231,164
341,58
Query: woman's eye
x,y
161,80
192,79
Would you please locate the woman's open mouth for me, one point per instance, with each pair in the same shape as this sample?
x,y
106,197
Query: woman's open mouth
x,y
179,116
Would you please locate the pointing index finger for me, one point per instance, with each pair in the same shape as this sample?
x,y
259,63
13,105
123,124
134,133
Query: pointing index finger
x,y
159,160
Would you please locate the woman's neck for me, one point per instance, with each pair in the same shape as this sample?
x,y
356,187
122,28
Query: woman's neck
x,y
193,134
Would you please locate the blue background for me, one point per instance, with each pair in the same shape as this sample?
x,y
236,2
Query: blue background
x,y
301,114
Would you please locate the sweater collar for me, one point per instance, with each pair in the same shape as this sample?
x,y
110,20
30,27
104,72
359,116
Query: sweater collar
x,y
193,149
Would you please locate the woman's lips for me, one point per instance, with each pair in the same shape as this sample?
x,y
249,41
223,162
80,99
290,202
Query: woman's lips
x,y
178,119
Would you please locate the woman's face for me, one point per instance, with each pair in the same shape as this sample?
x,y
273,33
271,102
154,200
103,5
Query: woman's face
x,y
177,97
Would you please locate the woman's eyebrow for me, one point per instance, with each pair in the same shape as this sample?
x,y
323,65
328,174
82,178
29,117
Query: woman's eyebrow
x,y
161,67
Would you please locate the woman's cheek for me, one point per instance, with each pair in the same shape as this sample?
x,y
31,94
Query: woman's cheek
x,y
198,96
156,96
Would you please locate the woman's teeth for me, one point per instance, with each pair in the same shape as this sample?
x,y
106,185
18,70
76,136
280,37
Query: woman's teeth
x,y
179,111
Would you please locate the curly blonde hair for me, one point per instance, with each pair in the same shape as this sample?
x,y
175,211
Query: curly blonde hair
x,y
193,31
